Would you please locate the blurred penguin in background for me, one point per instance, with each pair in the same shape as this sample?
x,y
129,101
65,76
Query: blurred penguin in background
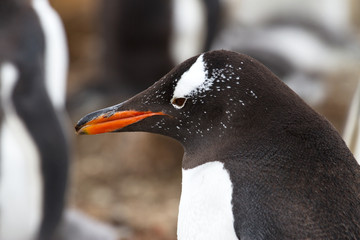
x,y
142,40
300,41
351,132
34,147
195,26
135,36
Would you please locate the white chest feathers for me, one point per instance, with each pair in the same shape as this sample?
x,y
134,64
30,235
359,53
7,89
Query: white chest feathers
x,y
205,210
21,186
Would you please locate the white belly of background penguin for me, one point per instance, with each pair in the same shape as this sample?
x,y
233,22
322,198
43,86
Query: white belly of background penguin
x,y
205,210
20,183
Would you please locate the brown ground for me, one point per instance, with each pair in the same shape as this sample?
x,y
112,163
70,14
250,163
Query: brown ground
x,y
129,180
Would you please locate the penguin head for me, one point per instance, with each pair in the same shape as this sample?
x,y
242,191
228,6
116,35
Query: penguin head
x,y
210,96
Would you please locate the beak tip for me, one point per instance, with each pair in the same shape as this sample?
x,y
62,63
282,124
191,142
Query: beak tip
x,y
79,130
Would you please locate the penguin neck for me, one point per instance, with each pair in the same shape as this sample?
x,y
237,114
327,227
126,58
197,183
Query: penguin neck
x,y
238,142
200,151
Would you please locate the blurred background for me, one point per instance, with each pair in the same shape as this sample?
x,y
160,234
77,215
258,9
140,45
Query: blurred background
x,y
132,181
120,47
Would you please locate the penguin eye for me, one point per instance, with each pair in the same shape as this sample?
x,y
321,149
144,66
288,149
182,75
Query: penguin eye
x,y
178,102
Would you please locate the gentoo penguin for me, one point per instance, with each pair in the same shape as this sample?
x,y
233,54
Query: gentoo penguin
x,y
259,163
33,146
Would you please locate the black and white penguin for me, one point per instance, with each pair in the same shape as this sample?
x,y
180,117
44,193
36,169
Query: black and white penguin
x,y
129,46
259,163
195,24
161,35
33,144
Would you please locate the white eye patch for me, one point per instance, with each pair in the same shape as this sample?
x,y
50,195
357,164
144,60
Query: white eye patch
x,y
192,81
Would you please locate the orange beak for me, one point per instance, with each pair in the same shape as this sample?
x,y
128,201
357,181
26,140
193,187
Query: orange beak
x,y
106,122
